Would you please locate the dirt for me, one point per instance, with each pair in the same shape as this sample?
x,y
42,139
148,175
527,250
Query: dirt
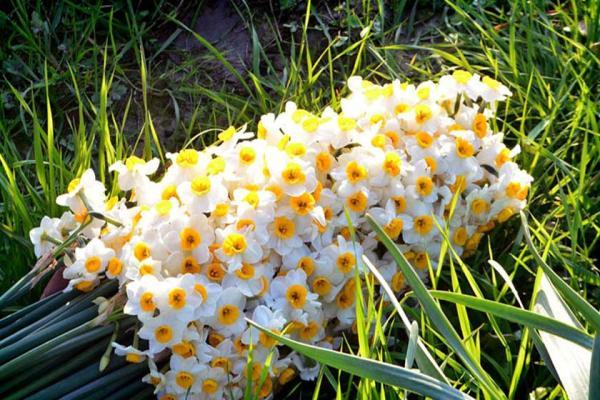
x,y
221,25
186,62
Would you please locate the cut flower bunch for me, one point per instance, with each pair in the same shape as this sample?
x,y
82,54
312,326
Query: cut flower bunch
x,y
271,226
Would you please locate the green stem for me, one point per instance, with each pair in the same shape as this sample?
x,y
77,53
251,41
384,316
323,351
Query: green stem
x,y
97,214
58,251
50,239
106,218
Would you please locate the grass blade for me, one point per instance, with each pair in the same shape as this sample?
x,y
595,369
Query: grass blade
x,y
519,316
436,315
575,300
370,369
570,361
425,360
595,371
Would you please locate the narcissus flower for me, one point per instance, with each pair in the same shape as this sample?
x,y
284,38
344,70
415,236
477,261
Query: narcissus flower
x,y
273,226
133,171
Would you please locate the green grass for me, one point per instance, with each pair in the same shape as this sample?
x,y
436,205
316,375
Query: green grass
x,y
86,84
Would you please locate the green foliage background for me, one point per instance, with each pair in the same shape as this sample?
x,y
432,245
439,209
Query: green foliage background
x,y
85,83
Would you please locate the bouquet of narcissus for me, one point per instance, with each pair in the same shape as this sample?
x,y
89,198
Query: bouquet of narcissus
x,y
271,226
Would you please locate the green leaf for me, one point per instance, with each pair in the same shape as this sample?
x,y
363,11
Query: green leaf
x,y
518,315
595,371
37,338
133,391
287,4
103,386
370,369
436,315
72,338
55,369
75,380
575,300
16,291
570,361
79,303
33,312
425,360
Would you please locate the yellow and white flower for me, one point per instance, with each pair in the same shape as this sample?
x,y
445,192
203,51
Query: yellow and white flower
x,y
87,186
130,353
293,176
229,315
291,295
89,260
493,90
178,297
265,317
203,193
249,279
186,375
133,171
161,332
186,165
392,221
142,297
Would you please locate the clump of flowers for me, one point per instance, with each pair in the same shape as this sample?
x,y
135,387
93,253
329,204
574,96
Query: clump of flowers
x,y
257,226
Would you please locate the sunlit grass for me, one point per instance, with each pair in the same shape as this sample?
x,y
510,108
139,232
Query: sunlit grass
x,y
81,86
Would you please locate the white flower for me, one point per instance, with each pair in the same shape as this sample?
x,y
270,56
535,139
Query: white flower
x,y
154,377
161,332
137,269
43,236
134,170
229,138
512,182
424,224
130,353
345,256
450,86
493,90
391,220
209,293
91,259
213,384
248,279
87,186
291,295
309,369
229,315
186,375
178,297
246,162
293,176
420,184
142,297
203,193
284,233
237,248
265,317
188,237
186,165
